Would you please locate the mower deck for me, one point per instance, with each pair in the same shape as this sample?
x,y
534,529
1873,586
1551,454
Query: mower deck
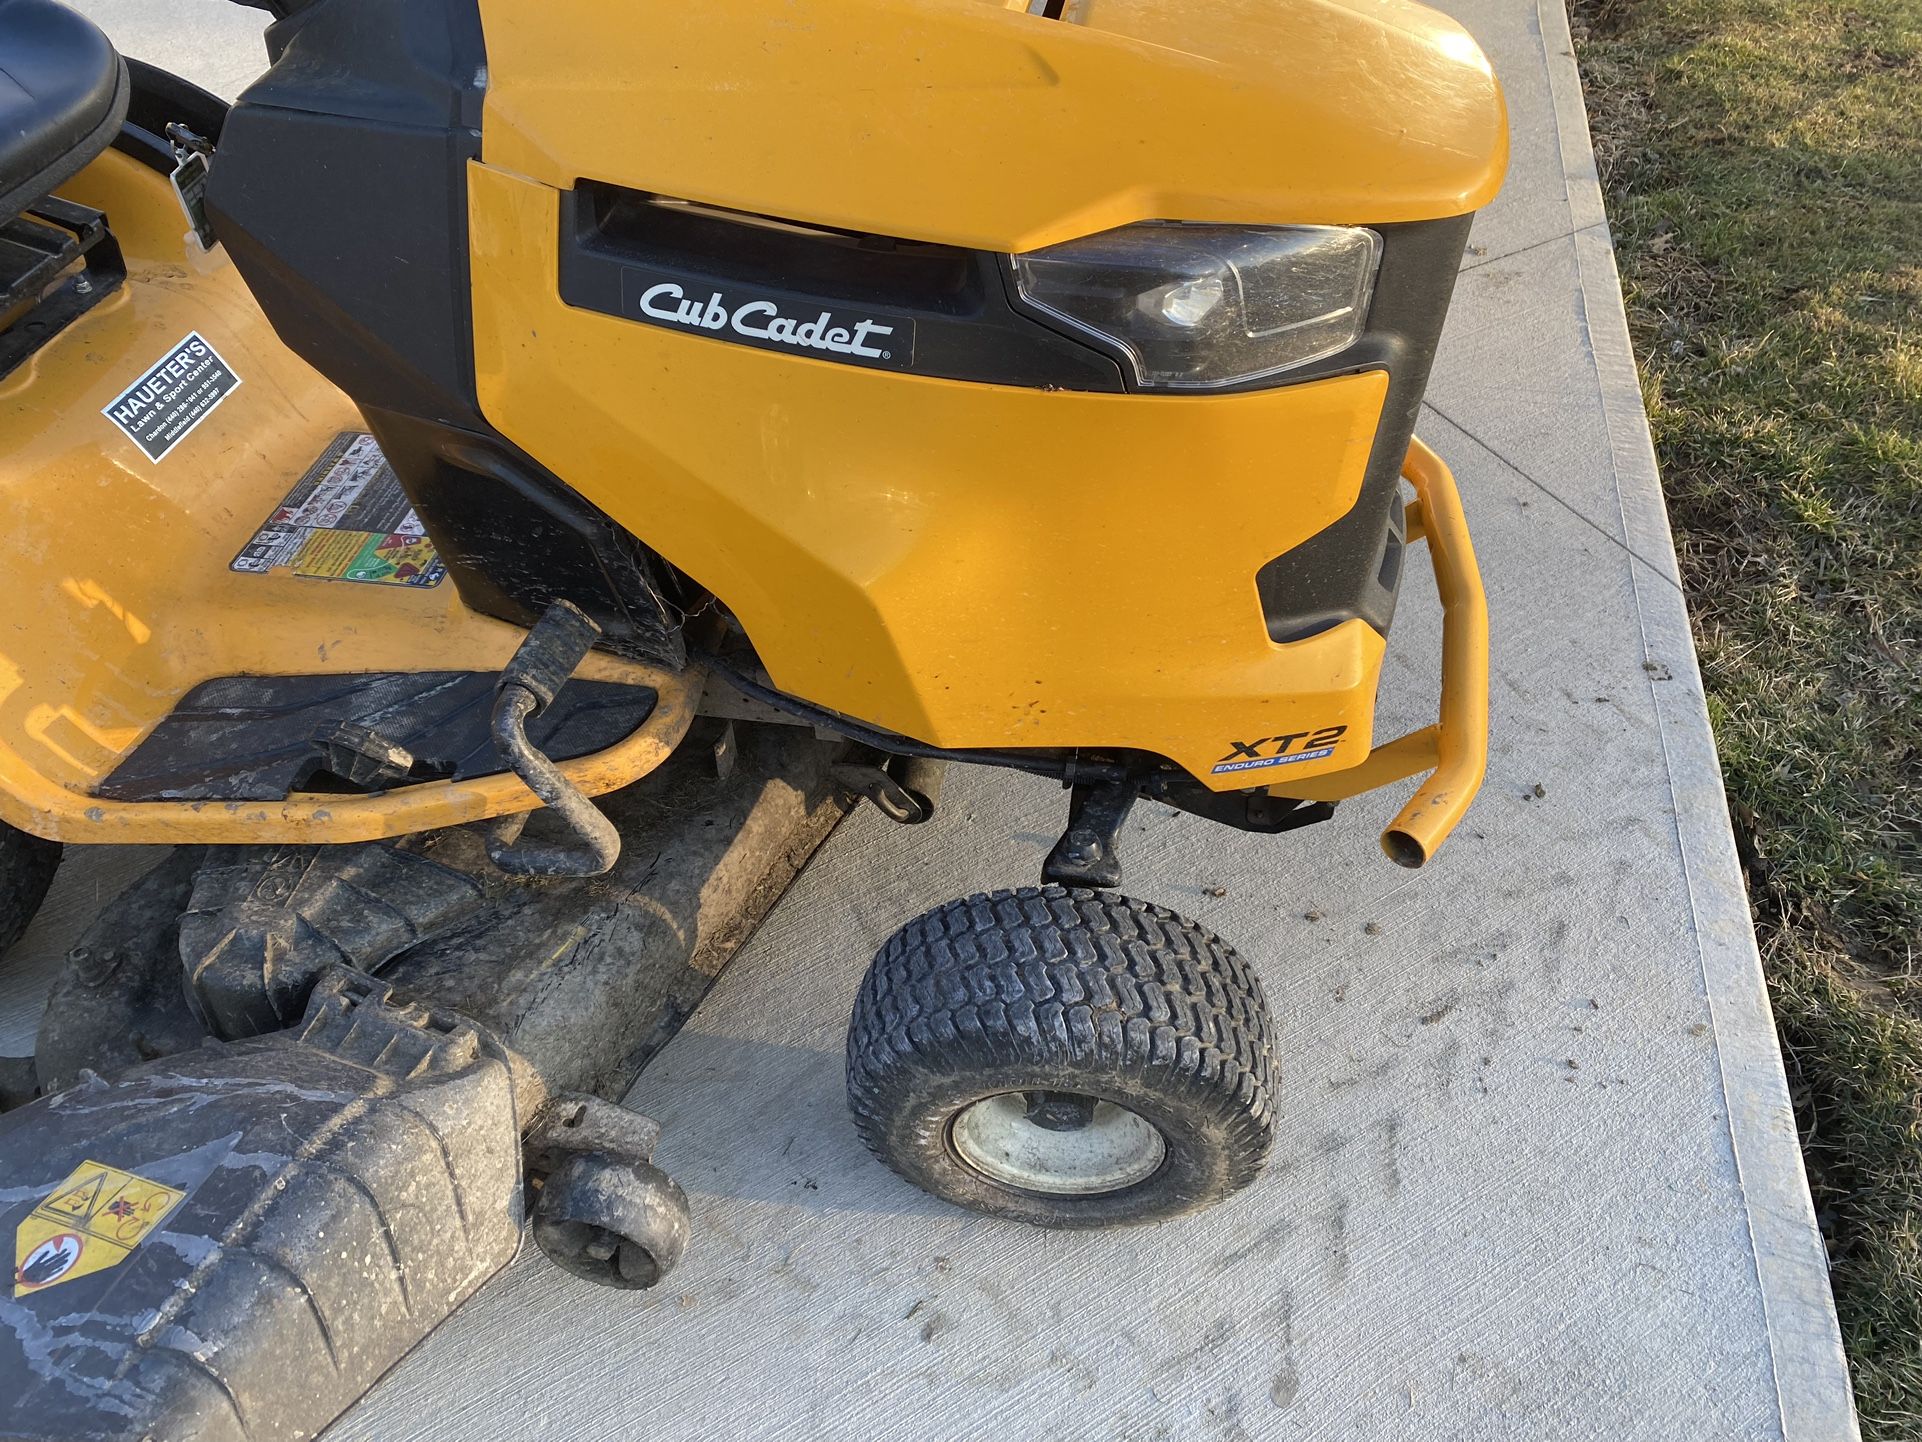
x,y
326,1184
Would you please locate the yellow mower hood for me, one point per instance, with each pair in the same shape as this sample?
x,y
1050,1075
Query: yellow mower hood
x,y
975,123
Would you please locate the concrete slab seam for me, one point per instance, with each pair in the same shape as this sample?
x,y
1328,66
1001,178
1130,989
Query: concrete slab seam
x,y
1614,540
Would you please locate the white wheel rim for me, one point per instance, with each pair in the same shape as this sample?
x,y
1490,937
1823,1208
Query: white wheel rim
x,y
1113,1149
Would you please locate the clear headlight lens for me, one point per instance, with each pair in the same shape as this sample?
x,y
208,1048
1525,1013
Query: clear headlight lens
x,y
1202,306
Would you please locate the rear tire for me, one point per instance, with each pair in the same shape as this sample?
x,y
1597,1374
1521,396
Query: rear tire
x,y
27,865
1064,1057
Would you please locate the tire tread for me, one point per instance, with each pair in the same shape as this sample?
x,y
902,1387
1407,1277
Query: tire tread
x,y
1092,981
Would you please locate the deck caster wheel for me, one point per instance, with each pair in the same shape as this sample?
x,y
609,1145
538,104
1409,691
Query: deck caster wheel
x,y
615,1222
1065,1057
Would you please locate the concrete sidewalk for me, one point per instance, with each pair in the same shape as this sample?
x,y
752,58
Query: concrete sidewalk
x,y
1538,1175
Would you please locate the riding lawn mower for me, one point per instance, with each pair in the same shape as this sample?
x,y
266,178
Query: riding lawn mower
x,y
492,499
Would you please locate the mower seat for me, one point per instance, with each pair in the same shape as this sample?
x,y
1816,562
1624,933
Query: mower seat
x,y
63,94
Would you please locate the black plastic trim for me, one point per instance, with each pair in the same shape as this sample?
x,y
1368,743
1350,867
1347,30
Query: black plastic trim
x,y
339,188
516,539
160,98
1352,568
945,311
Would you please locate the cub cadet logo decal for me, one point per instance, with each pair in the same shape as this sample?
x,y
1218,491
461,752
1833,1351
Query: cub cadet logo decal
x,y
1279,750
92,1221
758,319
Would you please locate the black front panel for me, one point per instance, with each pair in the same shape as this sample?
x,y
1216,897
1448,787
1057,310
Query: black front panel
x,y
767,320
852,299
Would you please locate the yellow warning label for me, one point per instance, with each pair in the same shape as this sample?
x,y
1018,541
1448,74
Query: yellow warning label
x,y
92,1221
330,553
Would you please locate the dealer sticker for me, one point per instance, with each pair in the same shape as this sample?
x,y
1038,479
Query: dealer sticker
x,y
178,392
92,1221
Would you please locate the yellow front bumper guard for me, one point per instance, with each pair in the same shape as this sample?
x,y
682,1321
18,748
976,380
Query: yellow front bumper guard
x,y
1455,750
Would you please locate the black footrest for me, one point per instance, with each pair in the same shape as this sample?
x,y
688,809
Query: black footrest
x,y
258,738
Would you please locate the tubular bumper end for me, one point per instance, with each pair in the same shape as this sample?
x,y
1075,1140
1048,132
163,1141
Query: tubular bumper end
x,y
1461,740
1456,747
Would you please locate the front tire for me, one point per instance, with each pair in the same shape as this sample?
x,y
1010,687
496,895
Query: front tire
x,y
1064,1057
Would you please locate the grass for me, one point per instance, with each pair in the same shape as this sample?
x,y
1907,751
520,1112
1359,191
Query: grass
x,y
1763,164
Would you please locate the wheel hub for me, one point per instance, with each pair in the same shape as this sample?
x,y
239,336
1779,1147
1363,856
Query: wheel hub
x,y
1060,1143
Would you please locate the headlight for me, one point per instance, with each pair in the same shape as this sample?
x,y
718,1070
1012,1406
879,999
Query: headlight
x,y
1203,306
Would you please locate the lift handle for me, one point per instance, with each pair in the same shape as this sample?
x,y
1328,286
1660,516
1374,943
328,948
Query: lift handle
x,y
558,643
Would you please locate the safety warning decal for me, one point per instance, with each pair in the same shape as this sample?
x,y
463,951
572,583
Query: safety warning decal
x,y
178,392
92,1221
346,519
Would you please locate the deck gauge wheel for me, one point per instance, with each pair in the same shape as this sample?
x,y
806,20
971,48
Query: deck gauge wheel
x,y
614,1221
1065,1057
